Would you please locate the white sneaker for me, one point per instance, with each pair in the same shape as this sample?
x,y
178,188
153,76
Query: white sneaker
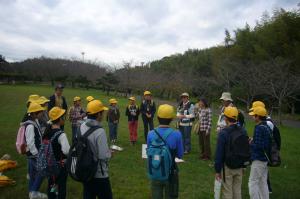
x,y
37,195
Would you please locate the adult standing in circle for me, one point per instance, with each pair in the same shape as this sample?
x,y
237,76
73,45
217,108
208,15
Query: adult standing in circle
x,y
185,114
58,100
205,124
148,110
226,101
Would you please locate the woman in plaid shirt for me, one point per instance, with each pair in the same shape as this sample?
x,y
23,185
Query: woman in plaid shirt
x,y
76,114
205,124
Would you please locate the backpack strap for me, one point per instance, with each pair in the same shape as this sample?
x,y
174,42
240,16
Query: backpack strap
x,y
266,127
165,136
90,131
57,134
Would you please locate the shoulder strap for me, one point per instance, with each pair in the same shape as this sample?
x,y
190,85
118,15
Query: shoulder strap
x,y
56,135
90,131
165,136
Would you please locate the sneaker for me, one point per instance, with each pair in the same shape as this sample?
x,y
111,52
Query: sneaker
x,y
37,195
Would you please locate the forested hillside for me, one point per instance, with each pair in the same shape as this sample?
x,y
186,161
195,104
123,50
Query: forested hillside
x,y
260,62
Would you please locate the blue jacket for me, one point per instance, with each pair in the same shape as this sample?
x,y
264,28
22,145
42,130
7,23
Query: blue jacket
x,y
223,138
261,143
174,140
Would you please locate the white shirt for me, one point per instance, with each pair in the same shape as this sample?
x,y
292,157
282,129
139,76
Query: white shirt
x,y
64,143
29,136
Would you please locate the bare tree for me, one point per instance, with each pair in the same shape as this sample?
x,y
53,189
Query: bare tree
x,y
281,82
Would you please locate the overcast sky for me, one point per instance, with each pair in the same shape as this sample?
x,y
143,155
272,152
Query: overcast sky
x,y
121,30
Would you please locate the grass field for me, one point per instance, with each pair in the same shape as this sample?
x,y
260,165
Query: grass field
x,y
127,169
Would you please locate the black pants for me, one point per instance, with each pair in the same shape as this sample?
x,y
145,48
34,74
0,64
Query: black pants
x,y
60,182
148,124
97,187
269,183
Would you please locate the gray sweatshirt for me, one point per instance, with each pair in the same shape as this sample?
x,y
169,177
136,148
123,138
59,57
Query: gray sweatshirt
x,y
99,146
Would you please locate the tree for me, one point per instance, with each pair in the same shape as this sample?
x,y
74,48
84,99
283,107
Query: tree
x,y
280,82
109,81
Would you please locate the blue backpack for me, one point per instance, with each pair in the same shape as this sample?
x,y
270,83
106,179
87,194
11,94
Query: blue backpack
x,y
46,162
159,157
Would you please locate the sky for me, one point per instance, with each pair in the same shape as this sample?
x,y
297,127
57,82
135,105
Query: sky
x,y
117,31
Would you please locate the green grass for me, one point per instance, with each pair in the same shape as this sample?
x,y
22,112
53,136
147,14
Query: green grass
x,y
127,169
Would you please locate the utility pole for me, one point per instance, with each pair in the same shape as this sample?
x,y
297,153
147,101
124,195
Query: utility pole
x,y
82,53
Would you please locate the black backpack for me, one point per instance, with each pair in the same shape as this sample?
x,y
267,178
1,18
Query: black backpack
x,y
273,155
276,134
81,164
237,149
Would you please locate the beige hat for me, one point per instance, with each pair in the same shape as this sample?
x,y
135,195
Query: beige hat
x,y
226,96
184,95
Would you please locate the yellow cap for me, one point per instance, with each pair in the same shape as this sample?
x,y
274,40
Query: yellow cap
x,y
89,98
165,111
55,113
257,104
231,112
132,98
95,106
147,93
33,98
260,111
35,107
113,101
76,99
42,100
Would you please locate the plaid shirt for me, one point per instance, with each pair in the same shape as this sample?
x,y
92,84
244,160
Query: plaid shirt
x,y
205,119
76,113
261,142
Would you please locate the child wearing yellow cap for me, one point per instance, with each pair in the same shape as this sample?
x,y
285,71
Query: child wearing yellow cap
x,y
113,117
132,112
33,136
57,182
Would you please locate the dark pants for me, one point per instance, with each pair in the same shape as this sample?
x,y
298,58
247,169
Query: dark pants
x,y
204,142
148,125
97,187
74,131
60,182
167,189
269,183
113,131
35,180
186,136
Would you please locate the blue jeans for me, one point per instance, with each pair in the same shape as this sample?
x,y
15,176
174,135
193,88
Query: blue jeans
x,y
113,131
35,181
186,136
